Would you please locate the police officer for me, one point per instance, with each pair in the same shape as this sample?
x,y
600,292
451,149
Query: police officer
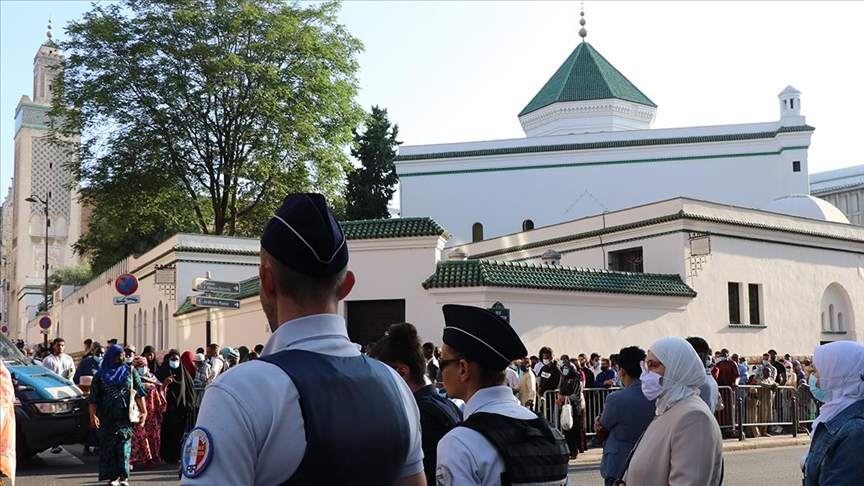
x,y
312,410
500,442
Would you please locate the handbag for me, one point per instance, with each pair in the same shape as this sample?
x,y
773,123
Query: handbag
x,y
134,413
566,415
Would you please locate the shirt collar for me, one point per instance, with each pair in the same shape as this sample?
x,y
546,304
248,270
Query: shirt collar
x,y
837,422
297,331
425,391
488,396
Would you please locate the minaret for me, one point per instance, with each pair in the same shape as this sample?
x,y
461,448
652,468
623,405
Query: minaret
x,y
40,174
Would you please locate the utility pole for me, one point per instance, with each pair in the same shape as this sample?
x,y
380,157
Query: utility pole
x,y
37,199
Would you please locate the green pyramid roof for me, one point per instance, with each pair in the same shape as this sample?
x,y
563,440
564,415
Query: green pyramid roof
x,y
50,43
586,75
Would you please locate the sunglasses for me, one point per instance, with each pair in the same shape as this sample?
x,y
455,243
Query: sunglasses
x,y
442,363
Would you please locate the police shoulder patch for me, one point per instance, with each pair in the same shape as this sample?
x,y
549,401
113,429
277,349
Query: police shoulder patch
x,y
197,452
443,476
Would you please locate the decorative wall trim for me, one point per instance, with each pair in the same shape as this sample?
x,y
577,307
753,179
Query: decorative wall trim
x,y
748,326
833,332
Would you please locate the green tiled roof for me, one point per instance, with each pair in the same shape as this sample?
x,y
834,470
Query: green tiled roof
x,y
50,43
218,249
562,147
490,273
586,75
367,229
248,288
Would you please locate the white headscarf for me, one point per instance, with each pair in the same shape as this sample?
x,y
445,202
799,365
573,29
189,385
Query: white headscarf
x,y
841,374
685,372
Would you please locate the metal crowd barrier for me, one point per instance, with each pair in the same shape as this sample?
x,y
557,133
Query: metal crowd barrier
x,y
753,407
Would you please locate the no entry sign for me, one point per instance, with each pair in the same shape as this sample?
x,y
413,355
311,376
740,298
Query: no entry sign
x,y
126,284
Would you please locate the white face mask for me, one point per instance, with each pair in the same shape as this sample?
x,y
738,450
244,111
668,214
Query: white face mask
x,y
174,364
651,387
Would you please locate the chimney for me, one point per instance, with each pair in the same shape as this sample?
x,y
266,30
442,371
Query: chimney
x,y
551,257
457,254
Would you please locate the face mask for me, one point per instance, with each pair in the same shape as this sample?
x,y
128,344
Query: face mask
x,y
651,387
128,360
721,359
142,371
98,359
765,362
818,393
566,371
597,364
174,364
618,382
545,362
707,362
441,393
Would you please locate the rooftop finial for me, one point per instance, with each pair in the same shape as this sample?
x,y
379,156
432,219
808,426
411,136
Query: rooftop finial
x,y
50,35
582,32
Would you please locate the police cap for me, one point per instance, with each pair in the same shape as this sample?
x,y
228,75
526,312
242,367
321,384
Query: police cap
x,y
481,336
304,236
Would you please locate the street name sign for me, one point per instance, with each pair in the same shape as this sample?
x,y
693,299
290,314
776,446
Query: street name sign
x,y
204,285
127,299
199,301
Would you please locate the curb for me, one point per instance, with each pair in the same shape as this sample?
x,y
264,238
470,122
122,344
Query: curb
x,y
594,456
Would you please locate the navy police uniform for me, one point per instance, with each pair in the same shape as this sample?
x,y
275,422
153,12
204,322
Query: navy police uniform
x,y
313,409
500,442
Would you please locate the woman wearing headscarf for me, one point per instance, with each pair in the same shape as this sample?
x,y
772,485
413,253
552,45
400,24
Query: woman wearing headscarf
x,y
150,354
179,397
244,353
682,446
110,394
837,380
147,438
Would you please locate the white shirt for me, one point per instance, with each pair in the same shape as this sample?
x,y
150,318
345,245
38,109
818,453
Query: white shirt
x,y
217,366
62,365
464,456
511,378
252,412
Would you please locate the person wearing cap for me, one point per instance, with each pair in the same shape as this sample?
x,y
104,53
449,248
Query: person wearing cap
x,y
500,442
233,358
312,409
203,373
129,352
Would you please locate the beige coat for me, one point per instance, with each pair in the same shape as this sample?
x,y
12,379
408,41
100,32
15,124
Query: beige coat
x,y
682,447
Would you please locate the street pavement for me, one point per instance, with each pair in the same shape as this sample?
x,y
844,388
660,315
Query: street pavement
x,y
755,462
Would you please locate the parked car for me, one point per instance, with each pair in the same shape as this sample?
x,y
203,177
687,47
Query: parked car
x,y
49,410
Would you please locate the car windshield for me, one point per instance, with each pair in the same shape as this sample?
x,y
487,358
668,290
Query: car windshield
x,y
11,354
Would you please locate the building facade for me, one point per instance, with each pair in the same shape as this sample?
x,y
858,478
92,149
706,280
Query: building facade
x,y
40,211
844,188
589,148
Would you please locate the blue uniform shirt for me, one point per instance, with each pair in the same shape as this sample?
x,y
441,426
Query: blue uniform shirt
x,y
252,415
626,413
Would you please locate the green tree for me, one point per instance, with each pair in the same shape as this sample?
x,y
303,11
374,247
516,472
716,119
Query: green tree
x,y
221,106
77,275
371,186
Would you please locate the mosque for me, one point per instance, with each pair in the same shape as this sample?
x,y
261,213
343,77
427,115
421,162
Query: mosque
x,y
595,232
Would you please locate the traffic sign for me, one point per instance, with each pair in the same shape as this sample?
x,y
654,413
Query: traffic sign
x,y
127,299
45,331
204,285
4,329
126,284
215,302
45,323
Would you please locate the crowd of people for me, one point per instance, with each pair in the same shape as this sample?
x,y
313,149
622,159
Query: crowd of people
x,y
166,395
311,408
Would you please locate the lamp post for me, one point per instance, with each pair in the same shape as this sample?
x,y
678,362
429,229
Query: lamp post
x,y
37,199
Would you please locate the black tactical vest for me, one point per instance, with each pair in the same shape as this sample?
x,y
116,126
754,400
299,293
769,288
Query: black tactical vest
x,y
534,452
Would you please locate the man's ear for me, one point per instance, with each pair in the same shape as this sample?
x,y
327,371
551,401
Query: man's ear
x,y
265,276
350,280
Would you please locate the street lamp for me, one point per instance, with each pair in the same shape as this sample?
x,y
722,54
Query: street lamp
x,y
37,199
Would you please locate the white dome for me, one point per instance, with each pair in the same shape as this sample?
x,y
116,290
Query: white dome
x,y
807,207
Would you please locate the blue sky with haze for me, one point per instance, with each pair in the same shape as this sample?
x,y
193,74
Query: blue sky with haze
x,y
462,71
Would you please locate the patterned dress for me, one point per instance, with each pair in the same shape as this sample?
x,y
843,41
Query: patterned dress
x,y
115,430
147,439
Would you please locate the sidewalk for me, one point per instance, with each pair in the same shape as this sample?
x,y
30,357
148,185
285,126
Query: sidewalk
x,y
593,455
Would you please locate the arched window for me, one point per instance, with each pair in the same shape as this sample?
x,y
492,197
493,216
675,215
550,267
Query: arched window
x,y
477,232
153,342
160,341
840,321
166,331
143,343
527,225
824,322
831,318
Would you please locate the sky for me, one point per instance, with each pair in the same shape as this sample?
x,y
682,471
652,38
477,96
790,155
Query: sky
x,y
451,71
